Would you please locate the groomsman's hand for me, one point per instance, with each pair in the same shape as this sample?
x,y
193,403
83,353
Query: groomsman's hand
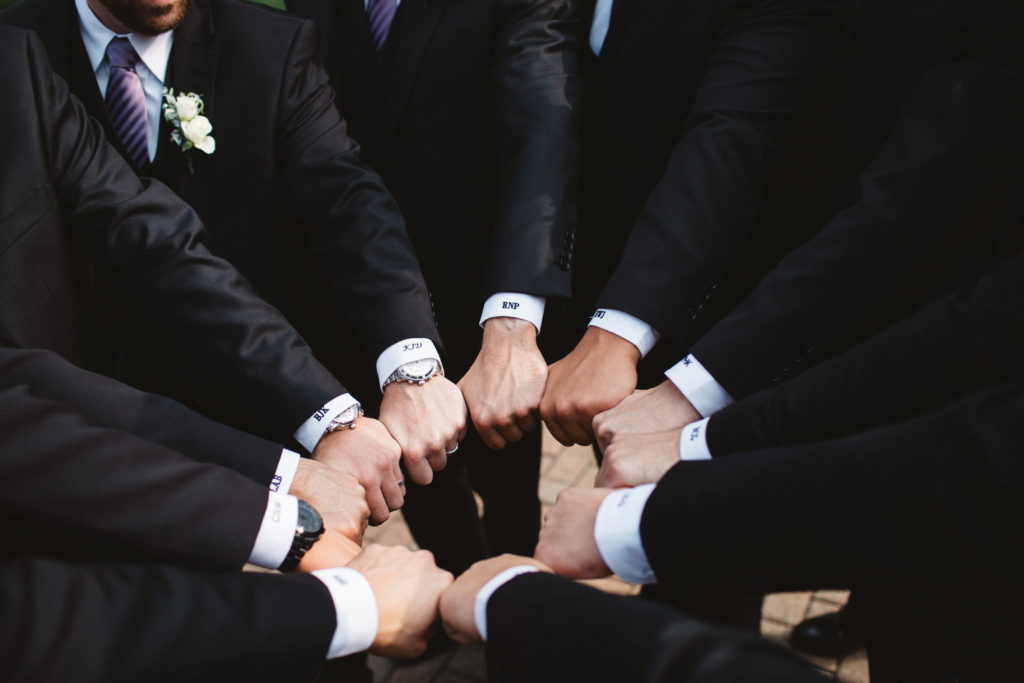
x,y
407,586
330,550
567,542
338,497
370,455
595,376
459,599
635,459
427,420
645,411
504,385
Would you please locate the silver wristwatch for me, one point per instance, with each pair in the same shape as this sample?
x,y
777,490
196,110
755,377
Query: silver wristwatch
x,y
415,371
346,419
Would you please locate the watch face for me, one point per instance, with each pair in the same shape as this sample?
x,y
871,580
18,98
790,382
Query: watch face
x,y
309,518
348,415
419,369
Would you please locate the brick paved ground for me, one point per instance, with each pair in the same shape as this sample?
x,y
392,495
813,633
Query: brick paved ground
x,y
568,466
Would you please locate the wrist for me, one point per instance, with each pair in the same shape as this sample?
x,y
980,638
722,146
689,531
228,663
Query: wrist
x,y
511,331
601,341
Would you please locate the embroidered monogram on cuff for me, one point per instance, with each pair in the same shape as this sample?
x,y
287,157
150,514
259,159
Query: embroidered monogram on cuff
x,y
617,534
484,594
285,472
514,305
312,430
277,531
356,609
693,441
402,352
698,386
629,327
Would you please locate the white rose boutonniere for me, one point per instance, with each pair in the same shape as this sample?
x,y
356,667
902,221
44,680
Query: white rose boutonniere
x,y
189,127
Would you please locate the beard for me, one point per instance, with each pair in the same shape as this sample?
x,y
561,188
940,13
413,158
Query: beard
x,y
145,19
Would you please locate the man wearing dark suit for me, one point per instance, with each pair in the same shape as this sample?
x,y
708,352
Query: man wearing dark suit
x,y
690,118
468,110
923,516
284,196
100,622
531,621
927,215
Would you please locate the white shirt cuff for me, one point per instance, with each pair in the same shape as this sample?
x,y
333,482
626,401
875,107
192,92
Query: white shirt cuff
x,y
313,429
277,532
356,608
403,352
514,305
693,441
698,386
484,594
285,472
632,329
617,533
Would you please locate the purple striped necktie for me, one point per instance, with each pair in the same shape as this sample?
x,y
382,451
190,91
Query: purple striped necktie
x,y
126,103
381,13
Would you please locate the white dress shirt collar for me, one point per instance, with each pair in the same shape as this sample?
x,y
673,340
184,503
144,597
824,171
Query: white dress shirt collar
x,y
155,51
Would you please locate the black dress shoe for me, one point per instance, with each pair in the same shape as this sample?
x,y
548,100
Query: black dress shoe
x,y
832,635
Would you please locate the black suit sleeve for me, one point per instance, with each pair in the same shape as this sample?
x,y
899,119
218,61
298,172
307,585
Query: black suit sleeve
x,y
106,490
543,627
930,505
149,249
97,623
952,347
356,232
113,405
924,212
763,78
538,92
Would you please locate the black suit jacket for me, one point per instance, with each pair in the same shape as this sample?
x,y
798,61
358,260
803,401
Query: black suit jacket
x,y
117,622
937,203
73,214
284,195
690,116
110,404
954,346
470,116
925,512
542,627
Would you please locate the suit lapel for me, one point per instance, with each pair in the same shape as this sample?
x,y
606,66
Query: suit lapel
x,y
416,29
192,68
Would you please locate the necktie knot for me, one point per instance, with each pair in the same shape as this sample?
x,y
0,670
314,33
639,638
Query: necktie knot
x,y
121,54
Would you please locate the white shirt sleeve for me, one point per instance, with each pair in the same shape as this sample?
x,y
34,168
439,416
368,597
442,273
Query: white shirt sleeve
x,y
693,441
514,305
285,472
356,609
484,594
629,327
403,352
698,386
313,429
617,533
277,531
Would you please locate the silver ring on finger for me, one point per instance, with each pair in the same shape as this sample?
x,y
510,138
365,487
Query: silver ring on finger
x,y
453,449
400,482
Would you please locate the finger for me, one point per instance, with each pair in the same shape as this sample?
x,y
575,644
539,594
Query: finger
x,y
378,507
528,422
419,470
437,461
491,436
392,493
511,432
561,435
577,431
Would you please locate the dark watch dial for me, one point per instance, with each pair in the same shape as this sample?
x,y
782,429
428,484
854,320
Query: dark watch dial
x,y
309,527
